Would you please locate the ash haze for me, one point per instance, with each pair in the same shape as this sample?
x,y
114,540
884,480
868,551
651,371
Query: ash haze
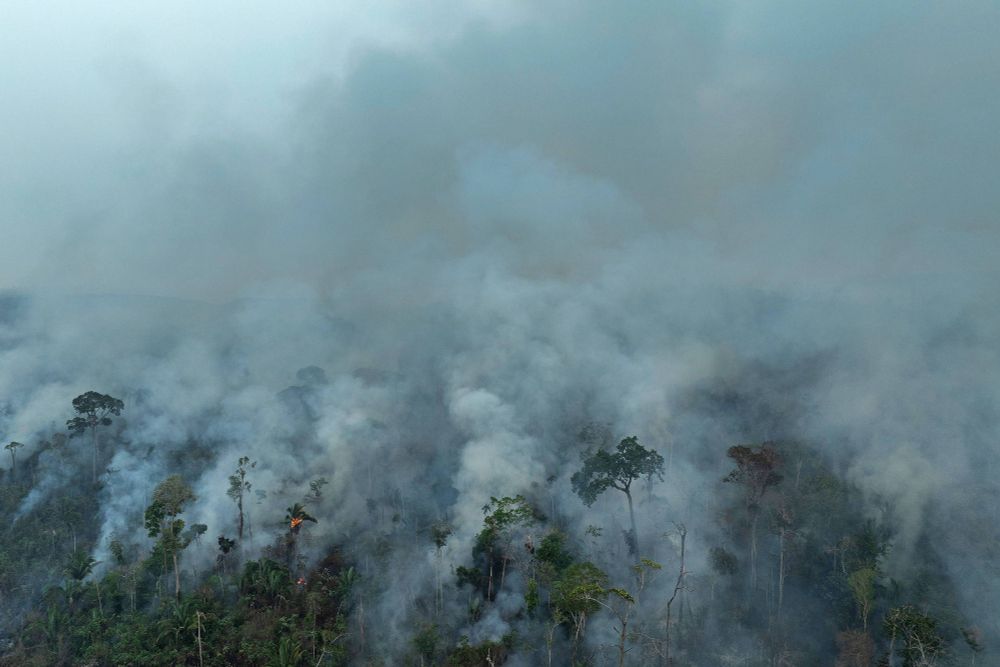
x,y
491,224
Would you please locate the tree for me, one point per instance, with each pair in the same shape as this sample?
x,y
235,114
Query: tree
x,y
93,410
617,470
79,567
678,587
862,585
623,603
974,640
502,514
921,643
578,593
169,499
238,486
756,472
492,542
12,447
439,533
295,516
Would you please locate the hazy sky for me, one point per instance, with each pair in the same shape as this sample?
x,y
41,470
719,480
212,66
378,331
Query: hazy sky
x,y
500,221
216,149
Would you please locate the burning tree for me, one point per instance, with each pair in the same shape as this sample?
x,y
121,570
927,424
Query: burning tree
x,y
295,516
604,470
93,410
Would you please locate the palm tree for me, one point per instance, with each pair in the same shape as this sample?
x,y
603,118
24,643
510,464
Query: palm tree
x,y
295,516
79,567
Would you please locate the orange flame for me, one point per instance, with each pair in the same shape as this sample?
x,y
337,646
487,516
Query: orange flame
x,y
295,522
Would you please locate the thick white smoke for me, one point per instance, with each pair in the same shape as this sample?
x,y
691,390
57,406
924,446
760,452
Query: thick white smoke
x,y
490,227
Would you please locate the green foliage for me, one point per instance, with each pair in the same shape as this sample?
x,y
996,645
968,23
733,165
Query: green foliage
x,y
580,589
623,594
862,585
93,409
723,562
920,641
80,565
485,654
552,551
296,514
503,513
117,550
616,470
531,597
265,582
261,614
469,576
426,641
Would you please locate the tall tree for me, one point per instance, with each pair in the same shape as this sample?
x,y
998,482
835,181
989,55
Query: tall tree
x,y
756,471
678,588
295,515
238,487
502,515
79,567
12,447
93,410
617,470
162,520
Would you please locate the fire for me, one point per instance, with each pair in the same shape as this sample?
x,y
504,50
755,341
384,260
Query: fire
x,y
295,522
301,581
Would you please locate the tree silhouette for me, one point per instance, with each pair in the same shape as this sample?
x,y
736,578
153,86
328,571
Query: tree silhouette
x,y
604,470
93,410
756,472
238,486
295,516
12,447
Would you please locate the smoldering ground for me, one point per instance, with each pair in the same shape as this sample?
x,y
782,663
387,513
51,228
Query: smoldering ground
x,y
699,225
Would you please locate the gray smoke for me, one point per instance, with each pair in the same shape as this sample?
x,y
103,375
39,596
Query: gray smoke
x,y
490,227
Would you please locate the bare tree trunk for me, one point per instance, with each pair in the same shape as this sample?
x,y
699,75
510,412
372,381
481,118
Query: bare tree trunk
x,y
93,433
781,569
635,533
239,505
100,606
753,552
197,616
361,620
678,587
489,585
550,638
621,643
582,619
177,578
439,587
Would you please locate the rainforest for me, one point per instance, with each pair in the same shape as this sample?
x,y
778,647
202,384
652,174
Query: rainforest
x,y
511,333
